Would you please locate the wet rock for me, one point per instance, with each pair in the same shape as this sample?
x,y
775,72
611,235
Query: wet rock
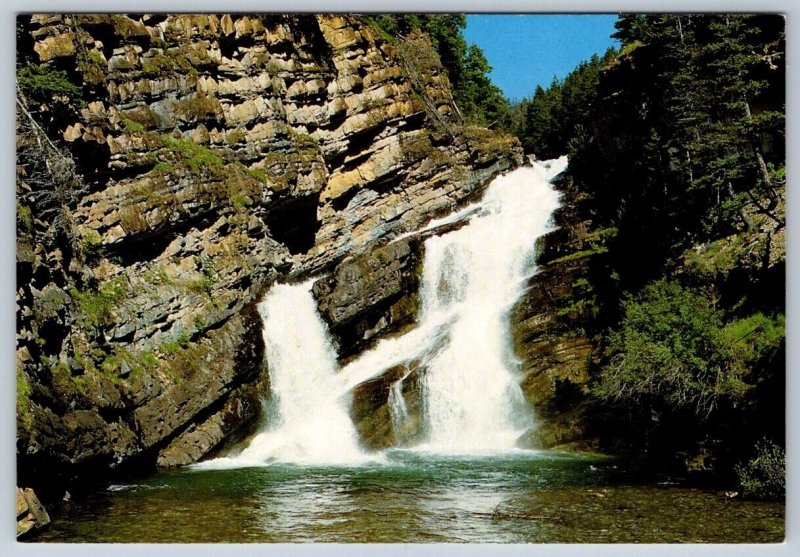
x,y
201,438
371,295
554,328
371,413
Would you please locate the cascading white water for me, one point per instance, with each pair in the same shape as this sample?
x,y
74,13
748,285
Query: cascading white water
x,y
312,424
471,398
398,411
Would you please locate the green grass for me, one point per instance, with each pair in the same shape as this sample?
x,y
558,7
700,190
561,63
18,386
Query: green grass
x,y
164,168
594,250
303,140
96,305
157,276
202,285
241,201
196,157
25,217
131,126
259,174
602,234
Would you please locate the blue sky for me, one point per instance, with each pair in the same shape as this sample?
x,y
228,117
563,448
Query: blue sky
x,y
528,50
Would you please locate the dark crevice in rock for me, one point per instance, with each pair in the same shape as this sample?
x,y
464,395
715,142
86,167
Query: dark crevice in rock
x,y
308,28
357,143
93,158
149,245
51,337
388,182
293,222
228,45
340,203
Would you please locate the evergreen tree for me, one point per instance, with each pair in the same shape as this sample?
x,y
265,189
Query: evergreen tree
x,y
479,100
556,116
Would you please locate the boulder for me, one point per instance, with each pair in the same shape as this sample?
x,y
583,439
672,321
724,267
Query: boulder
x,y
31,514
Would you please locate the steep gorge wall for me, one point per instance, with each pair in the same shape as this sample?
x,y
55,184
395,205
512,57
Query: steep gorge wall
x,y
215,155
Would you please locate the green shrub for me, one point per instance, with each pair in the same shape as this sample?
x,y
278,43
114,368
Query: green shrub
x,y
24,416
670,351
41,83
182,342
96,305
764,475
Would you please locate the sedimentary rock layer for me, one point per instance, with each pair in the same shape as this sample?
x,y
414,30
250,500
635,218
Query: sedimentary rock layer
x,y
215,154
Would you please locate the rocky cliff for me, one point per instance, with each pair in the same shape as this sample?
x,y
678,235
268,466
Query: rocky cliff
x,y
191,162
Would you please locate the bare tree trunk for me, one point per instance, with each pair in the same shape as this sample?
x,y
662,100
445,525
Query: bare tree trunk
x,y
762,166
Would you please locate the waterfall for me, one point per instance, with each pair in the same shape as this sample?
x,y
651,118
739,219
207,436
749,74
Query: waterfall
x,y
311,422
470,393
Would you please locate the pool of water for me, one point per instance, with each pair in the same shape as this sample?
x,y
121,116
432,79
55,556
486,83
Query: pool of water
x,y
518,497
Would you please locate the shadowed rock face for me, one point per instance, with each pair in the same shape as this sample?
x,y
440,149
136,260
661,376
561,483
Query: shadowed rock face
x,y
554,325
214,155
371,295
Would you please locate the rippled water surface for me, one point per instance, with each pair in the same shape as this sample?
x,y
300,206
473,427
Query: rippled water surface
x,y
522,497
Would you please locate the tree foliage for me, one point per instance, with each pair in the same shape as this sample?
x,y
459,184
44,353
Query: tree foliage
x,y
701,134
555,118
42,84
674,134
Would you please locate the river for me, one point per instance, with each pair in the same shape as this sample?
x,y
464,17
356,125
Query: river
x,y
517,497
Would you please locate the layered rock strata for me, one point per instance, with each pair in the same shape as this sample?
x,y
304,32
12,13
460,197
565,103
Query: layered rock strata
x,y
209,156
31,515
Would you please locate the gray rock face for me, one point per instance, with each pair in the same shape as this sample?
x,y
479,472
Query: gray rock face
x,y
215,155
371,295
